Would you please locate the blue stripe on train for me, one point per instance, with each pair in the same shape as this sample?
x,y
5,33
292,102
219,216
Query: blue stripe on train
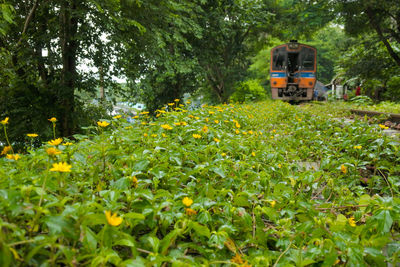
x,y
307,75
302,75
278,74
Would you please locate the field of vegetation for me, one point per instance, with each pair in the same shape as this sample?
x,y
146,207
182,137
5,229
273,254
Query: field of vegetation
x,y
262,184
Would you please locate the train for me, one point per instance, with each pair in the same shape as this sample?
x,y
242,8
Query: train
x,y
293,71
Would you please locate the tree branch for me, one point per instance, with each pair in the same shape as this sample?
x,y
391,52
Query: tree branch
x,y
28,20
378,30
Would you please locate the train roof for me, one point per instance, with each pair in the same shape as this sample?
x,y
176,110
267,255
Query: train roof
x,y
292,42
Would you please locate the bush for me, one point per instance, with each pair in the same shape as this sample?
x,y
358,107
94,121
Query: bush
x,y
393,89
249,90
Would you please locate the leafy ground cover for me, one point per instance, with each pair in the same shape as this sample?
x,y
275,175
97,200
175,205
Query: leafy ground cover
x,y
365,103
221,185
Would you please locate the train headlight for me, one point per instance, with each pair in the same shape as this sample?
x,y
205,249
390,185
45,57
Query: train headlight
x,y
293,46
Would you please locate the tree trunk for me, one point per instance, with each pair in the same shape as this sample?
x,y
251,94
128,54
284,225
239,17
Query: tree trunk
x,y
69,45
102,96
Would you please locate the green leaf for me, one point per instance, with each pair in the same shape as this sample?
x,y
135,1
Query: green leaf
x,y
201,230
385,221
133,215
219,171
168,240
90,239
141,165
154,242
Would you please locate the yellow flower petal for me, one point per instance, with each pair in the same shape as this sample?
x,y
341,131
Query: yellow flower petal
x,y
187,201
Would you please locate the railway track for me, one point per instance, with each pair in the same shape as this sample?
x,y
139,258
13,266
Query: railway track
x,y
392,117
392,120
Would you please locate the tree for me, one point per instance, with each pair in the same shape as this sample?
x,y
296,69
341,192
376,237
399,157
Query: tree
x,y
74,33
366,60
382,17
223,51
160,63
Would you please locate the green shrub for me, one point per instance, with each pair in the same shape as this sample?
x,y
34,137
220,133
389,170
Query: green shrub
x,y
249,90
393,89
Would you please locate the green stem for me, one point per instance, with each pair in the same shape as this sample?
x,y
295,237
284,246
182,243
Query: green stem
x,y
54,130
43,188
8,141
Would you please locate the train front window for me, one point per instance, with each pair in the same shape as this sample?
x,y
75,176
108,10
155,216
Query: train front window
x,y
293,62
308,58
279,59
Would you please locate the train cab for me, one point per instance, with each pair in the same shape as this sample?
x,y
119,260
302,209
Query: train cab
x,y
293,71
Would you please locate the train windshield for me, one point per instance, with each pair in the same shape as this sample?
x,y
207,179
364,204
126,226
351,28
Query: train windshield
x,y
279,58
307,58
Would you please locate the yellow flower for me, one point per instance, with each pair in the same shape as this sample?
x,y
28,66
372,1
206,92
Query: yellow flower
x,y
244,133
164,135
217,140
128,127
190,211
67,144
187,201
117,117
197,118
153,135
61,167
253,154
177,123
135,181
171,104
223,154
136,117
357,147
5,121
183,123
144,123
384,127
6,149
216,121
279,166
250,132
196,136
176,100
53,119
211,112
145,112
166,127
343,169
55,142
145,134
113,219
352,222
237,259
272,203
237,125
205,129
206,119
13,156
188,102
103,123
33,135
52,151
237,131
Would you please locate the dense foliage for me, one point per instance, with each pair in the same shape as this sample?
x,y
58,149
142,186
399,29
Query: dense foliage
x,y
260,184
